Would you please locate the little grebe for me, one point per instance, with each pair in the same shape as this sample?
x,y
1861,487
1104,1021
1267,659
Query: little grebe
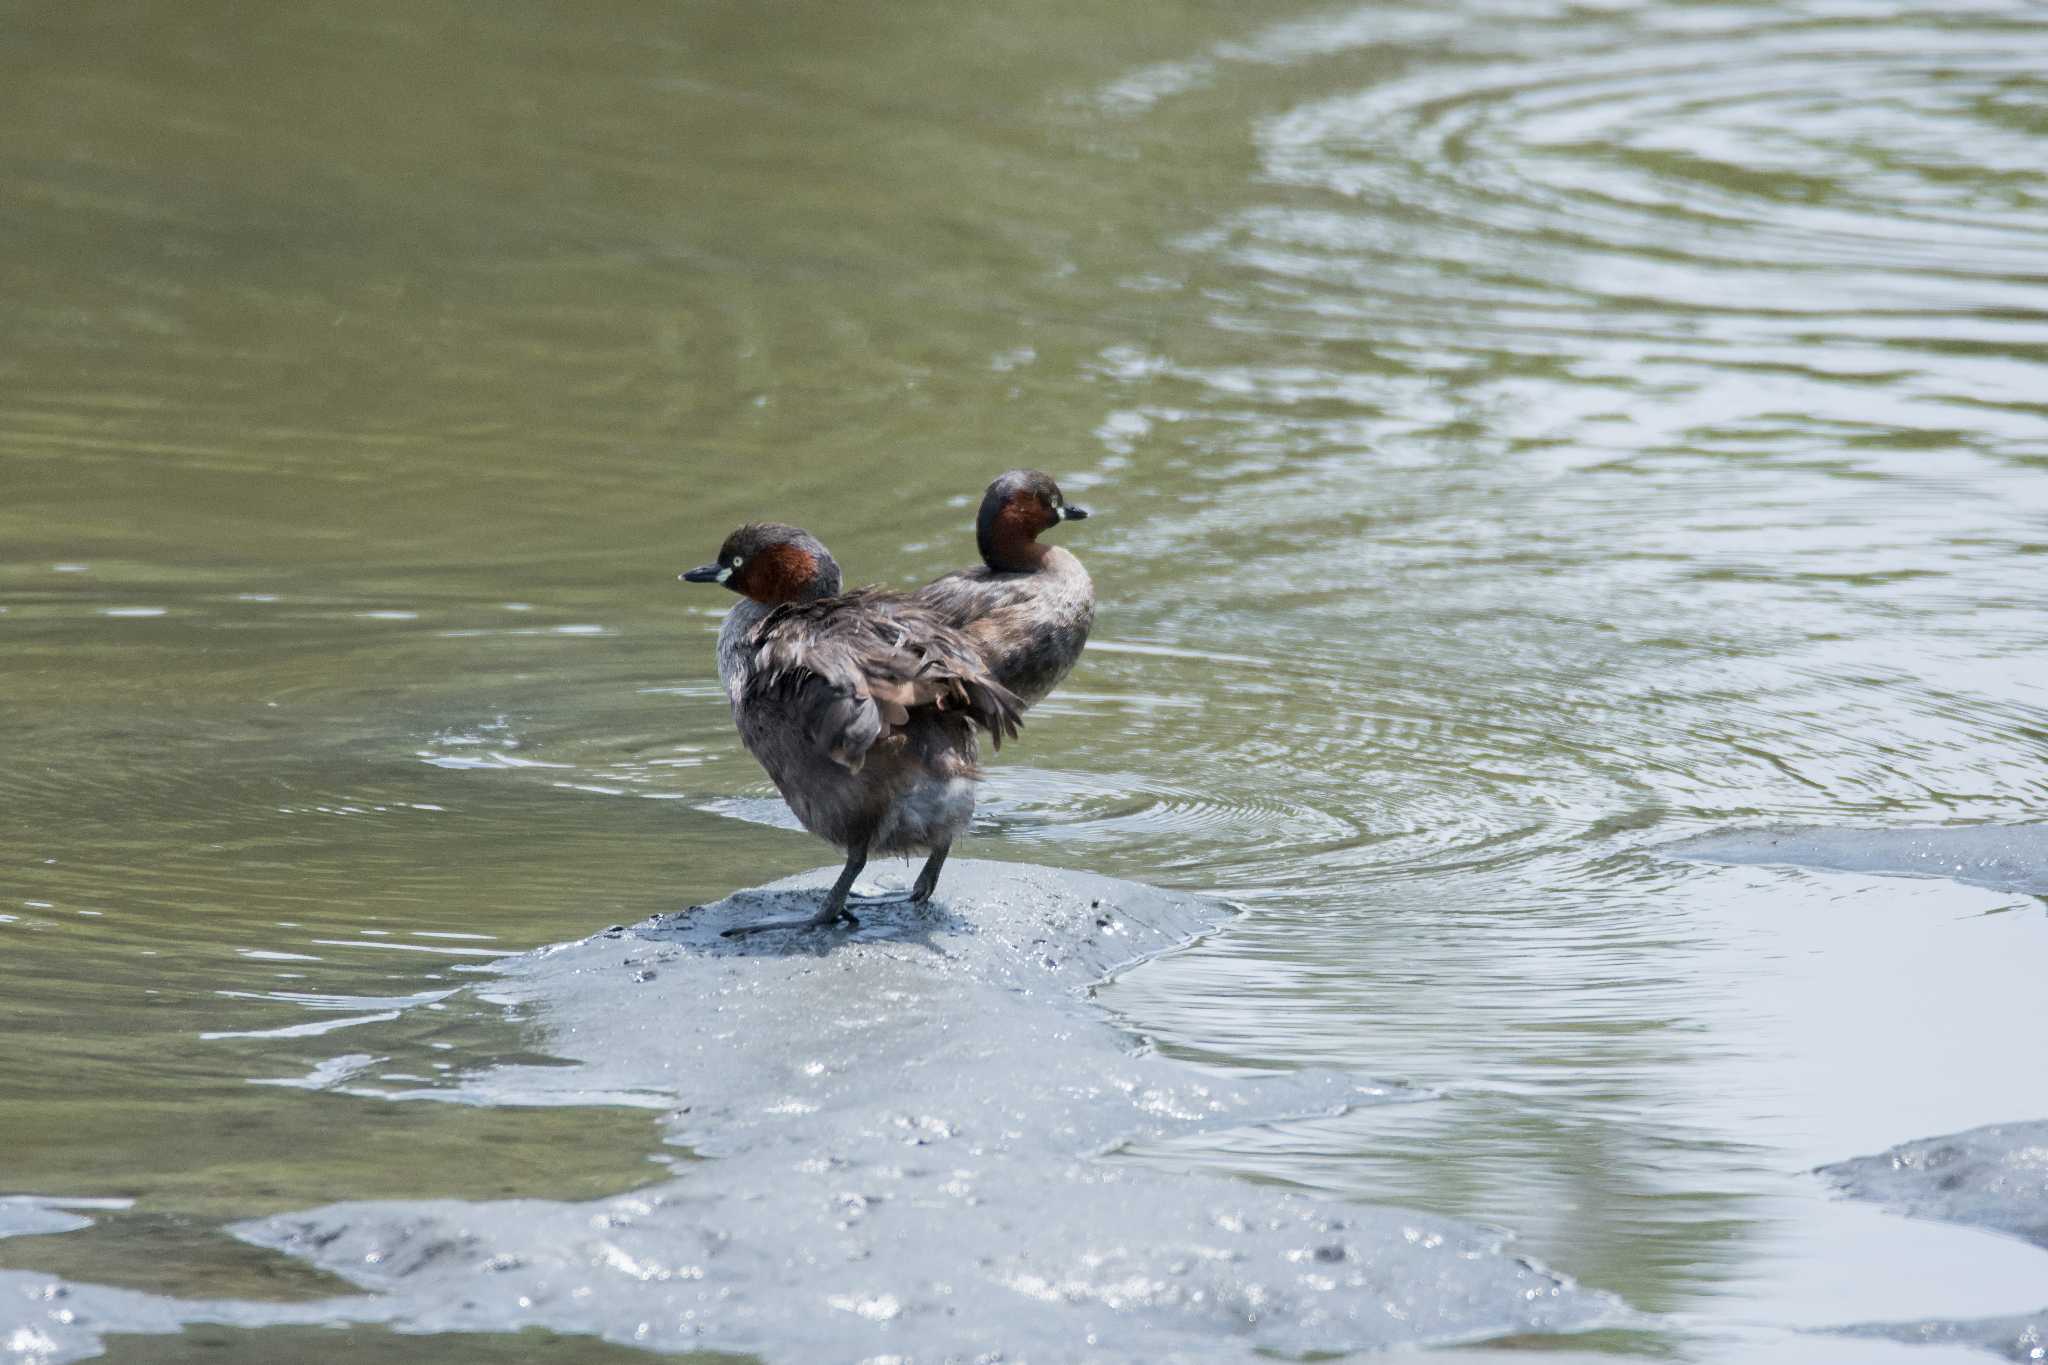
x,y
1028,606
862,706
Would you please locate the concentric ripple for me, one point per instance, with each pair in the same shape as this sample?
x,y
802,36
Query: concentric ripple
x,y
1784,146
1604,415
1631,194
1523,432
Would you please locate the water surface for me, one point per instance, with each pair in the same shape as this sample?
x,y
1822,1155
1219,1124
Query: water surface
x,y
1522,434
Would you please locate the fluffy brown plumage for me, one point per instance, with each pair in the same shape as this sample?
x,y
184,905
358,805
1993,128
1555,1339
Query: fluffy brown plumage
x,y
1028,607
856,670
862,707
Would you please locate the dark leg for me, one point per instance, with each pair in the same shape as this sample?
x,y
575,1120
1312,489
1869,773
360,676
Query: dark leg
x,y
882,898
920,890
928,879
832,910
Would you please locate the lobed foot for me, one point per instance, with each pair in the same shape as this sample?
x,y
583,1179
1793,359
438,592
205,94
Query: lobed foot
x,y
820,920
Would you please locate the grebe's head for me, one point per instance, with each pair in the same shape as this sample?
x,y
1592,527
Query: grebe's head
x,y
772,564
1016,507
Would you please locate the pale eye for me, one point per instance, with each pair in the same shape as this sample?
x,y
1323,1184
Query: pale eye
x,y
737,561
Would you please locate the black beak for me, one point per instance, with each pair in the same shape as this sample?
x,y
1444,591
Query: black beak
x,y
1072,513
704,573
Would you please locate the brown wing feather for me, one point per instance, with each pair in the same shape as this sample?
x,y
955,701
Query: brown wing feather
x,y
858,668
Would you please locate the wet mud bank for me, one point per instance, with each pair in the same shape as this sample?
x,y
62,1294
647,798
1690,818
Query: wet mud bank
x,y
1994,1177
2002,857
899,1141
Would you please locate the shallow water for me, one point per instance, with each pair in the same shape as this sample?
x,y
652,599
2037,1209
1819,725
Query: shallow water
x,y
1522,434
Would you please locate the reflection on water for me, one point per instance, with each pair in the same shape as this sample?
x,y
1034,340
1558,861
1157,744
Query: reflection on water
x,y
1524,433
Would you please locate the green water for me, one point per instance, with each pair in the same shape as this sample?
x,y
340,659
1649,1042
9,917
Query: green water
x,y
1519,434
